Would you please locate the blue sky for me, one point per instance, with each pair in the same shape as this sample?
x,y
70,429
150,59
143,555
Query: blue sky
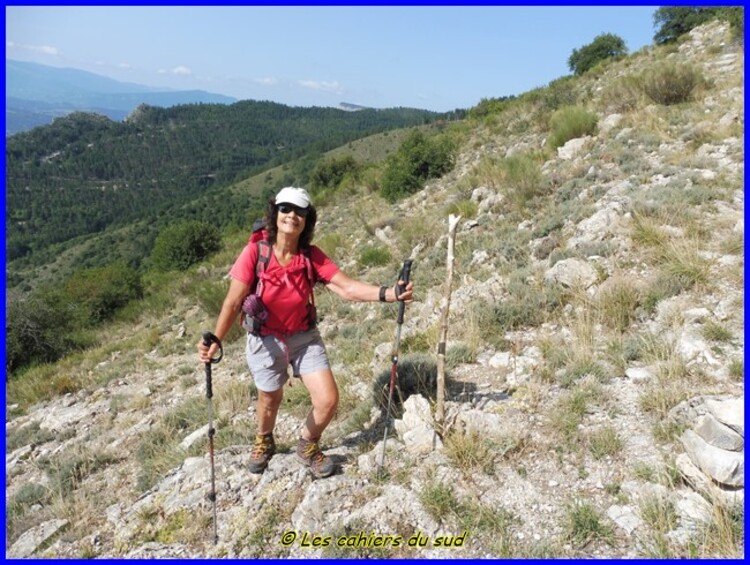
x,y
435,57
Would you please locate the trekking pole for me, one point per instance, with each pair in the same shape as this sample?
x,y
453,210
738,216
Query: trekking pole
x,y
208,339
404,276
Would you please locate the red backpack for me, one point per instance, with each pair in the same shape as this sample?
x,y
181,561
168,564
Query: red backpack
x,y
254,312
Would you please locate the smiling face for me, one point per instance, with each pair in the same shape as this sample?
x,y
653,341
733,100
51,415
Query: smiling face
x,y
289,221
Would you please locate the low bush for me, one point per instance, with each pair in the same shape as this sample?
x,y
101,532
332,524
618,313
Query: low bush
x,y
670,83
40,328
467,209
374,256
523,179
184,244
569,123
101,291
417,160
527,306
330,173
624,94
584,524
604,46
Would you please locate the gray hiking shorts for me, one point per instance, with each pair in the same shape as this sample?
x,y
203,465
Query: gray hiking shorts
x,y
269,357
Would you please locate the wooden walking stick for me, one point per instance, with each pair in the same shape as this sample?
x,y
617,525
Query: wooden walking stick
x,y
446,304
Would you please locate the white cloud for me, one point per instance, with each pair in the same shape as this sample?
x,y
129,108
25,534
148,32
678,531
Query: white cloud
x,y
267,81
332,87
44,49
181,70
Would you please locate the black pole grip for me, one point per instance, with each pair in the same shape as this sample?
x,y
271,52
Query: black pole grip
x,y
404,276
208,339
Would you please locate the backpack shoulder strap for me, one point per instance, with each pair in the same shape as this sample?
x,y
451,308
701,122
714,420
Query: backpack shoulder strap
x,y
312,317
310,270
264,257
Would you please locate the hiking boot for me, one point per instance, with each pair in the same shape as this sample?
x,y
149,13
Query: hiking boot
x,y
263,449
309,453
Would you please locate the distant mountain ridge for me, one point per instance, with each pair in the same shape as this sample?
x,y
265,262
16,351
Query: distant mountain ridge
x,y
349,107
37,94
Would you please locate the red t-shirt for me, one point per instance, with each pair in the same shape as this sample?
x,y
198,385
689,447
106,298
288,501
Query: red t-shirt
x,y
286,290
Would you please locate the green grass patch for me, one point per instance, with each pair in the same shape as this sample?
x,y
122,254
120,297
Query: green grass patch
x,y
569,123
372,256
583,524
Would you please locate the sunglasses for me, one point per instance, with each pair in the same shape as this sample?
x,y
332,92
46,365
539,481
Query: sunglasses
x,y
288,208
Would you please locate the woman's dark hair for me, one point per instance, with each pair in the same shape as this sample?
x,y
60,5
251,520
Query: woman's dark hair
x,y
305,238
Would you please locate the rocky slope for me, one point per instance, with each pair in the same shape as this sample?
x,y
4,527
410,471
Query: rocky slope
x,y
523,487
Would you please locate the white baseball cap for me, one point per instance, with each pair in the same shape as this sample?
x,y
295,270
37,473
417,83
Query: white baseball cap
x,y
292,195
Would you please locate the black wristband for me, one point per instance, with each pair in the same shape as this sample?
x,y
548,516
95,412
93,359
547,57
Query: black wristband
x,y
382,293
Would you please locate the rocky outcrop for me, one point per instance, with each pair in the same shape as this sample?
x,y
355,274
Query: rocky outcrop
x,y
714,460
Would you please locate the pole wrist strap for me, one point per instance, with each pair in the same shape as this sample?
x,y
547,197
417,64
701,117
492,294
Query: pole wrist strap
x,y
382,293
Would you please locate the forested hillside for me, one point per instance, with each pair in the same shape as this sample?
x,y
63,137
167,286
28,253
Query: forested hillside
x,y
85,173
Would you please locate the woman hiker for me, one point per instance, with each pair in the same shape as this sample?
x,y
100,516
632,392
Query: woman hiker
x,y
284,331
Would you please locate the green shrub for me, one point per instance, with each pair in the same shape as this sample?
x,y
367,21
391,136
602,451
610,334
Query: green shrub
x,y
584,524
735,15
715,331
438,500
467,209
458,354
669,83
675,21
40,328
417,160
488,106
100,292
605,442
683,261
527,306
617,304
624,94
28,495
184,244
68,471
158,450
374,257
471,452
604,46
559,93
665,286
576,369
523,179
737,369
331,243
330,173
569,123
